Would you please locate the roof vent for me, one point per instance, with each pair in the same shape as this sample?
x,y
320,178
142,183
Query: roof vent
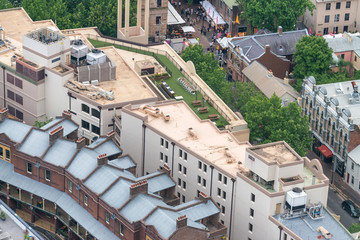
x,y
229,157
192,133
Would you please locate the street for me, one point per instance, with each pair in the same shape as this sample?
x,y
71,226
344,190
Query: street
x,y
334,205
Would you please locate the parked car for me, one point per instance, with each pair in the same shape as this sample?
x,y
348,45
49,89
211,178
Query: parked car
x,y
350,207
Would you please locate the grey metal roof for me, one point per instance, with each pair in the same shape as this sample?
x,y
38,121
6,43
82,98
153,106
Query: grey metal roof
x,y
301,226
36,143
200,211
68,126
355,154
108,147
118,194
122,162
159,183
186,204
97,142
140,206
342,44
62,200
51,123
103,177
15,130
84,163
60,153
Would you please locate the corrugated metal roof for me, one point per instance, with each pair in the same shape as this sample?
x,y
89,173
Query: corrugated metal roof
x,y
51,123
342,44
84,163
67,125
186,204
15,130
118,194
60,153
103,177
355,155
122,162
36,143
159,183
108,147
97,142
200,211
140,206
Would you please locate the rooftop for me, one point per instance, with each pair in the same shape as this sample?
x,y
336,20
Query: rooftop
x,y
306,228
14,129
347,42
209,143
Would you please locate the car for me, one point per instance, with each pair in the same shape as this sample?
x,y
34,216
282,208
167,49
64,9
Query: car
x,y
350,207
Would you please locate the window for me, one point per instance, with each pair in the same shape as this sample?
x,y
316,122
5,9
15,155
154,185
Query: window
x,y
69,185
11,110
29,167
228,12
204,182
221,4
178,194
337,17
18,83
19,99
335,30
95,129
328,6
7,154
55,60
338,5
285,236
359,185
251,212
183,198
180,167
185,156
121,229
348,4
220,177
19,115
85,108
327,18
166,144
205,168
85,124
326,31
225,180
222,209
1,152
85,199
352,180
219,192
198,193
347,16
250,227
158,20
166,158
158,3
47,175
95,113
184,185
253,197
10,78
107,217
162,142
157,33
161,156
179,182
200,165
224,195
352,166
346,29
11,94
355,59
180,153
199,180
185,170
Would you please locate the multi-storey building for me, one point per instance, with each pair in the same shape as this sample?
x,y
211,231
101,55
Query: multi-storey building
x,y
90,192
332,17
333,112
273,50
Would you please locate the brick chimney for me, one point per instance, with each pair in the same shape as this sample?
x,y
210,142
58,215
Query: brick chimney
x,y
139,187
267,48
55,134
66,115
203,196
80,143
166,169
181,222
110,135
286,80
102,159
280,30
3,114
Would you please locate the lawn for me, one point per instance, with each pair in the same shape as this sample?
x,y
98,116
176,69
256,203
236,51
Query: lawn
x,y
172,81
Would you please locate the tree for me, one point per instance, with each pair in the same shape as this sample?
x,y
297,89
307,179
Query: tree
x,y
312,57
269,122
274,13
354,228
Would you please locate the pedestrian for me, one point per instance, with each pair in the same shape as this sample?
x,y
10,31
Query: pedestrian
x,y
192,11
179,4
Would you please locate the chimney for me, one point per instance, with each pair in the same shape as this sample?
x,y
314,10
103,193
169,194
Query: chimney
x,y
55,134
270,73
286,80
139,187
110,135
102,159
280,30
267,48
203,196
66,115
3,114
166,169
80,143
181,222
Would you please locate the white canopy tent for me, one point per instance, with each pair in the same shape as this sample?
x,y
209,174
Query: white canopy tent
x,y
223,42
212,13
173,16
188,29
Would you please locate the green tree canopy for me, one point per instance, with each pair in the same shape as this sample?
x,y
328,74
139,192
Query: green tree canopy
x,y
269,122
274,13
312,57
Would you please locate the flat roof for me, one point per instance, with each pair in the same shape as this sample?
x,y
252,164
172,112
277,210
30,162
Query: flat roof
x,y
278,152
210,143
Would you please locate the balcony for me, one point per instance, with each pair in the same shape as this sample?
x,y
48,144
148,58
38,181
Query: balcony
x,y
62,215
3,188
44,224
25,197
14,192
216,231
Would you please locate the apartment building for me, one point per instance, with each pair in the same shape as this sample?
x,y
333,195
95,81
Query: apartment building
x,y
90,192
333,111
332,17
273,50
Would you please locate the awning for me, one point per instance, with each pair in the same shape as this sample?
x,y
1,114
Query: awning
x,y
325,151
173,16
212,13
223,42
187,29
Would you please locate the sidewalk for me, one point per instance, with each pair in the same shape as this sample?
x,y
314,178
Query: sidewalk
x,y
341,187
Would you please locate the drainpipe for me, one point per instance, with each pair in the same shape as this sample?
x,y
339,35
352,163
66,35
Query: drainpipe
x,y
232,202
211,179
4,85
280,228
100,120
172,159
143,150
37,165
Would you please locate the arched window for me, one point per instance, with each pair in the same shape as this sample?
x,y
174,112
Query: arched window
x,y
341,133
